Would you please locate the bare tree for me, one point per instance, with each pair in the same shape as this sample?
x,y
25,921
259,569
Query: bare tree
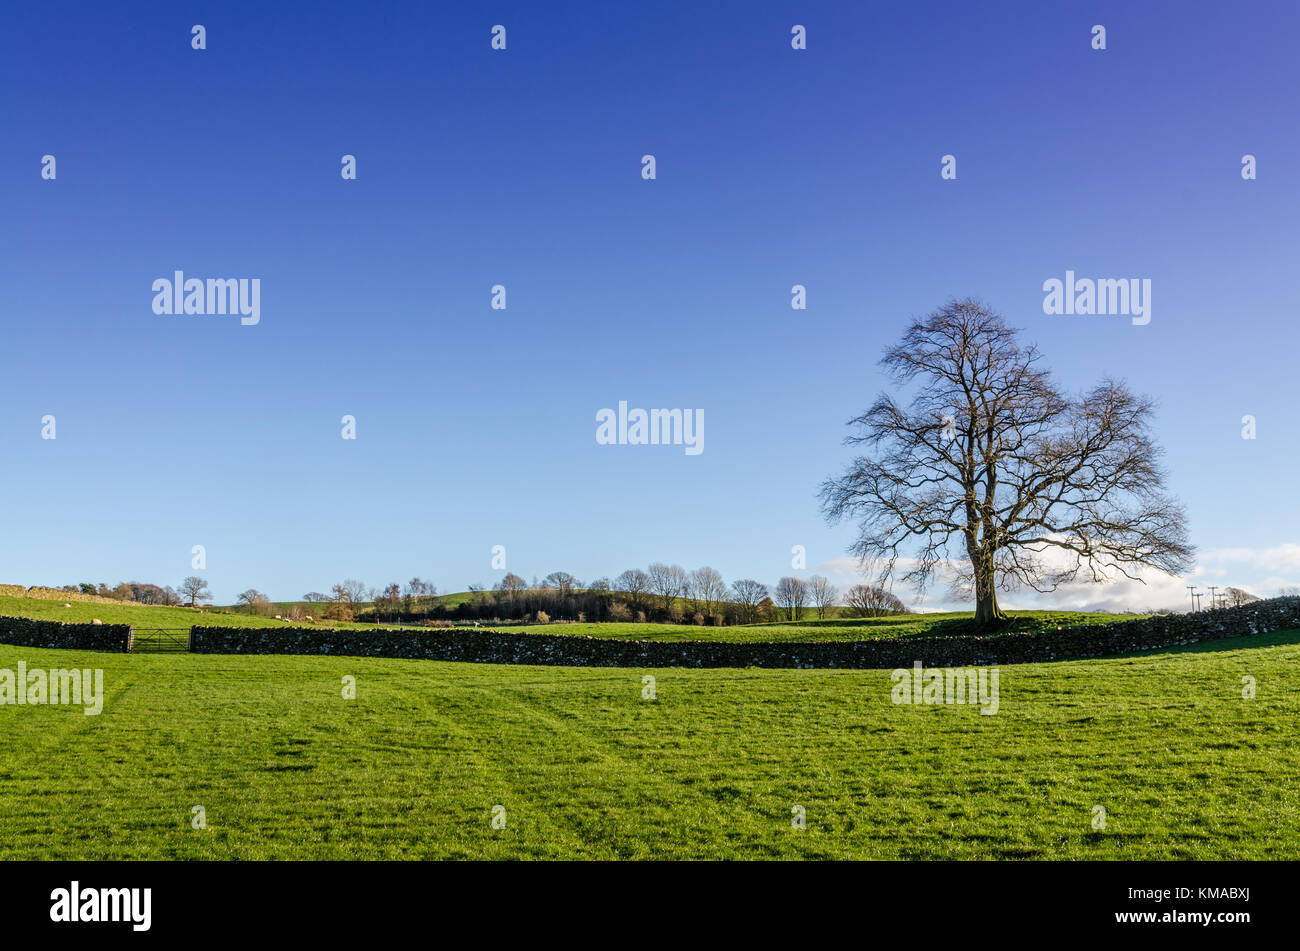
x,y
792,594
387,600
416,589
349,592
748,593
991,459
822,593
707,587
872,600
195,589
511,586
668,582
1238,596
635,583
563,583
478,595
254,600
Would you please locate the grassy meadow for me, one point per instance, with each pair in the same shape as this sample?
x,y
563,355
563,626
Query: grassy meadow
x,y
831,629
141,615
286,768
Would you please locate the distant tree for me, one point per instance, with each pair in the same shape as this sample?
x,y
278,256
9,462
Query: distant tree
x,y
350,592
170,597
388,599
635,583
1289,592
792,594
478,597
339,610
561,582
86,588
195,590
511,586
872,600
254,600
1238,596
668,582
748,594
414,591
707,587
989,465
315,597
822,593
147,593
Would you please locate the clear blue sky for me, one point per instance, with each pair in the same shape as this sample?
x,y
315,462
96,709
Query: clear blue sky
x,y
775,167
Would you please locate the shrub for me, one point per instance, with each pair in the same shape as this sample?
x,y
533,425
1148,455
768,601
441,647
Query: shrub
x,y
338,611
541,617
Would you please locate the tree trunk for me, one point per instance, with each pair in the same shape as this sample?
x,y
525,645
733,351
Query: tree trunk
x,y
987,612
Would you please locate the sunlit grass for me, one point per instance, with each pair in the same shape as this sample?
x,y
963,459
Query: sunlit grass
x,y
586,768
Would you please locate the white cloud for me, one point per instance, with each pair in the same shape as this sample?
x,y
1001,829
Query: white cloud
x,y
1261,571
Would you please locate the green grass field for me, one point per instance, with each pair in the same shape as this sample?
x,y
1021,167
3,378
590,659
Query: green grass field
x,y
141,615
586,768
832,629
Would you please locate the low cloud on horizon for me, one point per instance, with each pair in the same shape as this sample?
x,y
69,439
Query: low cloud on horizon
x,y
1262,572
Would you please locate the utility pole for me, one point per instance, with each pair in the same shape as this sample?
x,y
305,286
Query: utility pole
x,y
1198,597
1213,588
1192,589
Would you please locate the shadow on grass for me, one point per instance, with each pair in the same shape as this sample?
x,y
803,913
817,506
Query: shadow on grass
x,y
1219,645
954,625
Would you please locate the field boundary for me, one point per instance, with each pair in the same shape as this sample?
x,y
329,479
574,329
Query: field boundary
x,y
30,632
568,650
497,647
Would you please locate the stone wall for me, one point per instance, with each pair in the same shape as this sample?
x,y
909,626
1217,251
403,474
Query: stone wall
x,y
54,594
26,632
551,649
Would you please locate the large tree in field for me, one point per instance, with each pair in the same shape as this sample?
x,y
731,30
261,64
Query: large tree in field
x,y
196,589
991,462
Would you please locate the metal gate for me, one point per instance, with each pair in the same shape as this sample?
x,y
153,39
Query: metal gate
x,y
160,640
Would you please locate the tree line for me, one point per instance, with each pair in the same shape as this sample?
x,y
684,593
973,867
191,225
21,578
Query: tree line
x,y
193,592
660,593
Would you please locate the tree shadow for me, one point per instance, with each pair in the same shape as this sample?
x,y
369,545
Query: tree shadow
x,y
1222,644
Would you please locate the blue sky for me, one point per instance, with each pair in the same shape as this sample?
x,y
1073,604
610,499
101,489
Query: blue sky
x,y
522,167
